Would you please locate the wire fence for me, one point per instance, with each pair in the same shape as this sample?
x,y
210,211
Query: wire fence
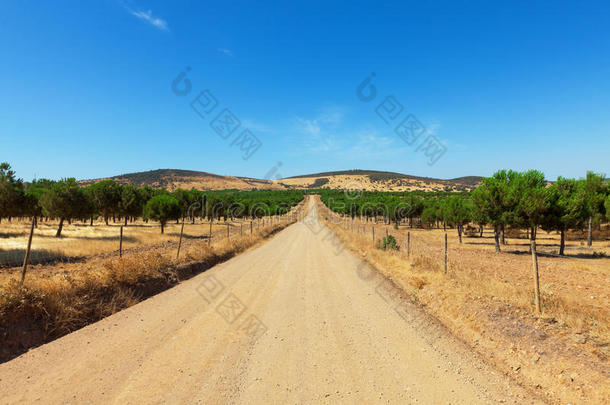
x,y
82,241
515,275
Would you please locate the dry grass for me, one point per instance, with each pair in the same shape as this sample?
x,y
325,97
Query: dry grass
x,y
62,297
487,300
80,241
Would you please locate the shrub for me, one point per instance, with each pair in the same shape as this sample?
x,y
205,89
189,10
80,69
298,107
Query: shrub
x,y
389,243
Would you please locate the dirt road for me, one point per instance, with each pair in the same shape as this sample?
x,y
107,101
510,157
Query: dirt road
x,y
298,320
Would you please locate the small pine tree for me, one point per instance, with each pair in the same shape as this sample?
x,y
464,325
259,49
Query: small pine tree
x,y
389,243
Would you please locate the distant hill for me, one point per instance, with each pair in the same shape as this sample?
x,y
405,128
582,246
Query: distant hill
x,y
469,180
172,179
380,180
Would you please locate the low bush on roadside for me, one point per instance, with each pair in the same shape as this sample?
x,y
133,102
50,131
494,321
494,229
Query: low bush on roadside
x,y
388,243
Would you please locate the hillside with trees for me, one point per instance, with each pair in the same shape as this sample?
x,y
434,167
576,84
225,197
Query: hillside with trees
x,y
173,179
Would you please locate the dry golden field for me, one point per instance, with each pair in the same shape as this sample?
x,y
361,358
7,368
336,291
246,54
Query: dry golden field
x,y
80,240
486,298
580,281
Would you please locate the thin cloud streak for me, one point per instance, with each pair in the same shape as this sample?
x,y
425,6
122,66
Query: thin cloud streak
x,y
226,52
148,17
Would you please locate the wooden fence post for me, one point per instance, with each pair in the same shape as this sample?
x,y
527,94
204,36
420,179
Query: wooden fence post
x,y
180,241
409,244
536,279
373,228
121,242
241,229
250,227
27,251
445,252
227,231
210,234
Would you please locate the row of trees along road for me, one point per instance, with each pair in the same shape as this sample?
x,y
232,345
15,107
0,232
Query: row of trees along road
x,y
66,200
525,200
508,199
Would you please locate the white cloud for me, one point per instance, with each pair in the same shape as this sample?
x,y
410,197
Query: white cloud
x,y
327,120
308,127
226,52
148,17
327,134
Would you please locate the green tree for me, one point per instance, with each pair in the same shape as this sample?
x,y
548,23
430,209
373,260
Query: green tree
x,y
457,212
430,213
131,204
416,207
591,190
528,198
491,201
566,208
106,197
65,200
186,198
162,208
11,192
479,218
33,194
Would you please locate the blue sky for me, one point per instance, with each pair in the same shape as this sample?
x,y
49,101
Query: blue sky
x,y
87,86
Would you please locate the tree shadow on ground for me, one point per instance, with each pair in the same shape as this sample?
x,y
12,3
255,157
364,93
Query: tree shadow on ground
x,y
14,257
185,236
592,255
